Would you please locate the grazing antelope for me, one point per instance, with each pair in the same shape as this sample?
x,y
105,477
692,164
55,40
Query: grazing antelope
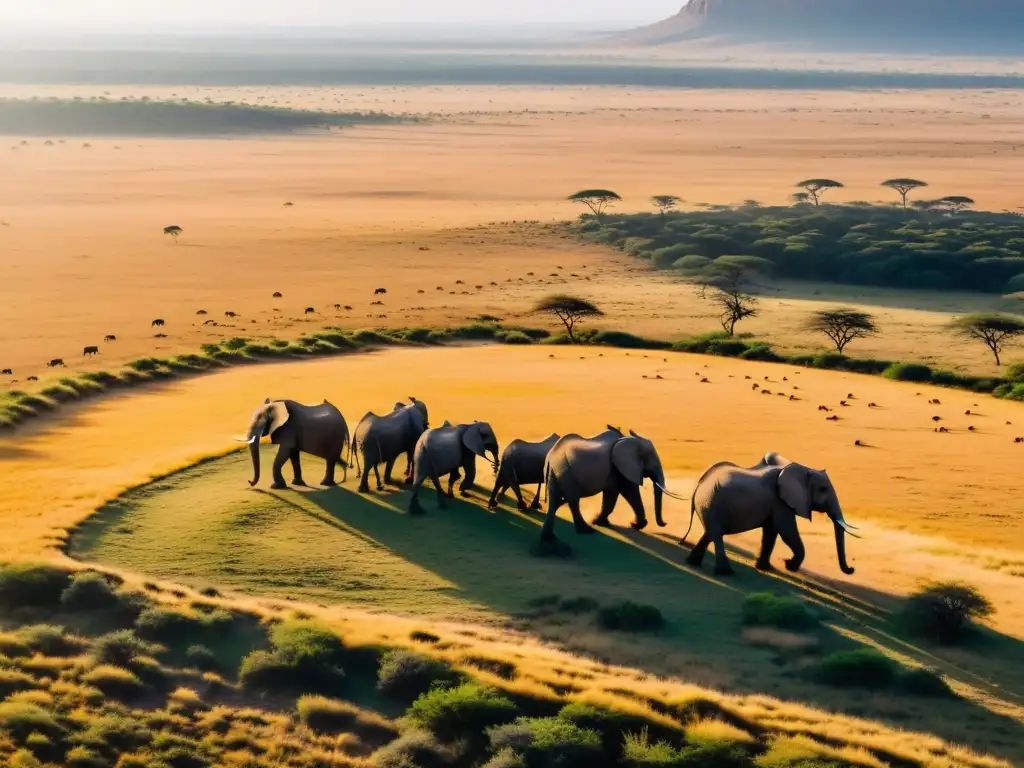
x,y
158,322
89,351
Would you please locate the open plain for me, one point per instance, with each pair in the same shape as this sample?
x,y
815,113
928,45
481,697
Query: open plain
x,y
461,216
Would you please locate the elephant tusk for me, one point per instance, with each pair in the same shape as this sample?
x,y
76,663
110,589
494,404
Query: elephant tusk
x,y
669,493
245,440
846,527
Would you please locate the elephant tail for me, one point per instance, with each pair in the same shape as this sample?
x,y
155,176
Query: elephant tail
x,y
693,509
353,453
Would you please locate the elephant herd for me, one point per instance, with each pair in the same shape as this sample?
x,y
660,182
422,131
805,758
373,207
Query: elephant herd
x,y
729,499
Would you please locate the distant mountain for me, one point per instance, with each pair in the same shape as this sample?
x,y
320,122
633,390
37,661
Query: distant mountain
x,y
975,26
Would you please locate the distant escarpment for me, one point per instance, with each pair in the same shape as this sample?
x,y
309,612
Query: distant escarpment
x,y
937,26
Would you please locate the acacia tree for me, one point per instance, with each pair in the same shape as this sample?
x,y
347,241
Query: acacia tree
x,y
817,187
995,330
597,200
843,325
904,187
955,203
728,284
665,203
569,309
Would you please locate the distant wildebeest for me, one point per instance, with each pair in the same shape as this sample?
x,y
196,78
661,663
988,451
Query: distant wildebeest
x,y
310,310
160,336
33,378
56,363
88,351
7,372
174,230
380,291
288,205
157,323
110,337
347,307
277,295
459,282
201,312
337,306
230,314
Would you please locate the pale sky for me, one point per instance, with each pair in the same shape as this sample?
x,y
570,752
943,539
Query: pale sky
x,y
246,13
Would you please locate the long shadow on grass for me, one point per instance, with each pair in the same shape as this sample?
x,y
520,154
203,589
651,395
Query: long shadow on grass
x,y
486,555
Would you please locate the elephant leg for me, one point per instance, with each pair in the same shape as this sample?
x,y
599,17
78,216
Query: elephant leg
x,y
387,472
631,494
470,477
364,481
452,478
535,505
329,476
520,501
769,535
441,503
376,474
786,526
279,461
555,500
696,556
410,466
608,501
297,468
415,508
497,493
582,527
722,566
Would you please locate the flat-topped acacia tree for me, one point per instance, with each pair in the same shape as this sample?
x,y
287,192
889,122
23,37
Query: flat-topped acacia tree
x,y
955,203
665,203
995,330
816,187
842,325
597,200
904,187
569,309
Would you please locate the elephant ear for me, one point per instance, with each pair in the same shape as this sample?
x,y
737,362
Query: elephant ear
x,y
412,413
794,491
626,458
473,441
277,415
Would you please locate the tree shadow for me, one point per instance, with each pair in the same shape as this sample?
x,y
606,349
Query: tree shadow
x,y
486,556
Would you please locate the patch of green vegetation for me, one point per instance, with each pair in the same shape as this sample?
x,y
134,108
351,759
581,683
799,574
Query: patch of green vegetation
x,y
304,657
946,611
763,609
89,591
549,742
470,708
408,675
24,585
860,668
631,617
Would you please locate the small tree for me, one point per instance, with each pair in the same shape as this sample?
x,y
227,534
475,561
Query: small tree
x,y
728,283
665,203
994,329
597,200
944,611
174,230
569,309
842,325
815,188
800,197
954,203
904,187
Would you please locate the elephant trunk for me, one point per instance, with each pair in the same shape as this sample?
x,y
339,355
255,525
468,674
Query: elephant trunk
x,y
658,476
254,452
841,529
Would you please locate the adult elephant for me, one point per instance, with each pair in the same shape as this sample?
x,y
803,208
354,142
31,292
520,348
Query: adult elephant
x,y
382,439
445,451
771,496
611,464
319,430
522,463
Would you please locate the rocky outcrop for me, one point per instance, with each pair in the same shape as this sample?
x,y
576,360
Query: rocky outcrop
x,y
980,26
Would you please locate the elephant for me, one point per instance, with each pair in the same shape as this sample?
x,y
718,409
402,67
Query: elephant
x,y
319,430
770,496
611,464
382,439
446,450
522,463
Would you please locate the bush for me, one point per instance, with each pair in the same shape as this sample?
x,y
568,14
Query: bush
x,y
762,352
413,749
168,625
610,725
305,657
945,611
51,640
628,341
763,609
21,719
12,681
119,648
83,757
32,586
578,605
331,716
726,347
861,668
89,590
549,742
631,617
515,337
925,682
114,681
408,674
692,263
202,658
830,361
908,372
506,758
466,710
417,335
641,752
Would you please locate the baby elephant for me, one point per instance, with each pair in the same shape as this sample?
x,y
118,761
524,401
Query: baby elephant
x,y
522,463
446,450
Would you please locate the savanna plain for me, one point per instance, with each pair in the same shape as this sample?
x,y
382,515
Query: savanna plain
x,y
159,610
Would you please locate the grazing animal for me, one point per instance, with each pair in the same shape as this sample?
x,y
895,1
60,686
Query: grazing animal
x,y
56,363
459,282
445,451
382,439
376,303
110,337
288,205
843,403
277,295
310,310
970,429
337,306
230,314
440,288
967,412
936,418
347,307
705,381
857,442
872,405
7,372
174,230
380,291
420,291
755,387
160,336
942,430
202,312
832,418
1018,439
89,351
157,323
33,378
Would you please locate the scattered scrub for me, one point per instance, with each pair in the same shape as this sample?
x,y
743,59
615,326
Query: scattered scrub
x,y
470,708
89,591
631,617
763,609
305,657
946,611
406,674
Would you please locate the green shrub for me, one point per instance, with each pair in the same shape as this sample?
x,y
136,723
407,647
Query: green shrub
x,y
627,341
146,364
610,725
726,347
51,640
21,719
202,658
114,734
767,610
1010,391
691,263
83,757
469,709
413,749
331,716
60,392
12,681
578,605
506,758
424,637
762,352
925,682
32,586
24,758
1015,373
908,372
549,742
945,611
631,617
116,682
515,337
170,626
367,336
407,674
860,668
417,335
305,657
89,590
236,343
119,648
830,361
103,378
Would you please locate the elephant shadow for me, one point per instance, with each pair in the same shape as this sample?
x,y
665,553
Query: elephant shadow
x,y
486,556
